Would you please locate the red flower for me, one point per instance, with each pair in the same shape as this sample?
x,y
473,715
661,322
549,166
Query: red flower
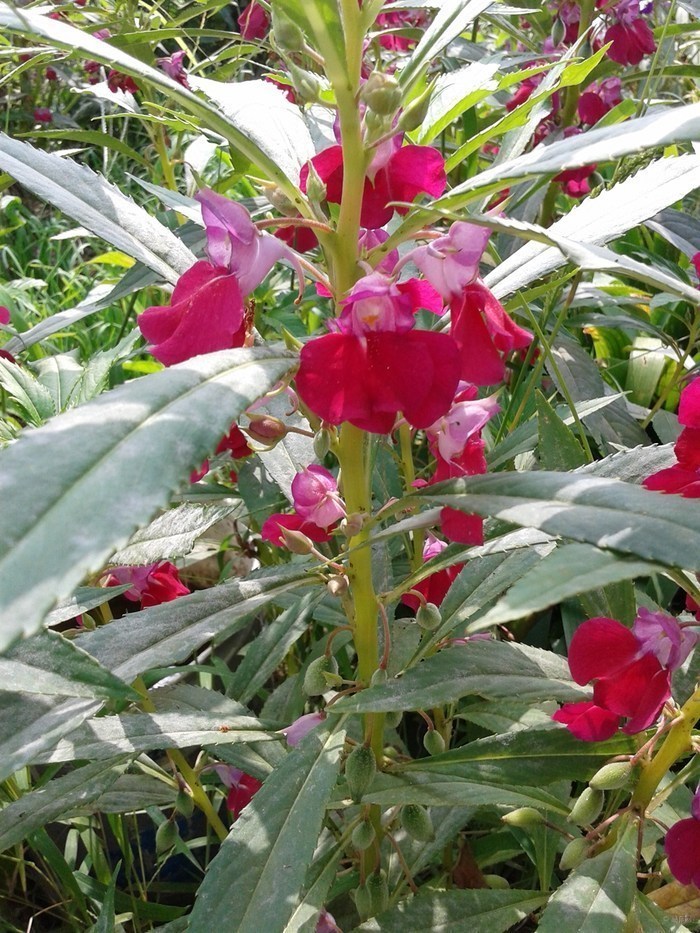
x,y
434,588
599,99
484,332
683,846
696,263
631,41
628,681
151,585
395,174
243,787
116,81
272,529
457,525
253,22
574,181
43,115
683,478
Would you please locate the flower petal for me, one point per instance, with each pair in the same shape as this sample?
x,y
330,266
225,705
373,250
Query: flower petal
x,y
683,851
601,647
587,721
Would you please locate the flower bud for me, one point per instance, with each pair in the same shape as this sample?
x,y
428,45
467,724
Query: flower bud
x,y
266,429
379,677
307,85
558,32
392,719
381,93
433,742
522,817
315,682
315,188
184,803
496,882
322,442
360,768
362,902
352,525
414,114
363,835
167,835
378,890
573,854
279,200
296,541
612,776
417,823
428,617
587,808
286,34
338,585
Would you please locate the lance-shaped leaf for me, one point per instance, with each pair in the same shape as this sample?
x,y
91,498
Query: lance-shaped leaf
x,y
86,197
271,844
108,467
599,894
603,512
479,668
568,571
446,911
77,789
63,35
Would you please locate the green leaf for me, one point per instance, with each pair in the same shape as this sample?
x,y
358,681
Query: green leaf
x,y
480,668
93,137
446,912
61,795
49,664
304,919
651,919
33,400
114,462
84,599
569,570
558,447
599,894
96,204
105,922
271,843
603,512
456,92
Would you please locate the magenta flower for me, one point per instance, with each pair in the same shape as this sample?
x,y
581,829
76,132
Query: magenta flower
x,y
273,527
484,334
599,99
42,115
628,681
631,36
451,262
253,22
695,259
316,497
116,81
301,727
464,420
4,315
396,173
683,478
150,585
173,67
662,636
434,588
683,846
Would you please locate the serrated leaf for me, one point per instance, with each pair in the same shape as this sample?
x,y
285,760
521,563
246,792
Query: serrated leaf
x,y
479,668
271,844
569,570
604,512
599,894
96,204
61,795
455,92
558,447
446,911
56,532
33,399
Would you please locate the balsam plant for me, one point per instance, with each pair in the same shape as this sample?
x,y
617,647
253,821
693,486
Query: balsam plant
x,y
444,677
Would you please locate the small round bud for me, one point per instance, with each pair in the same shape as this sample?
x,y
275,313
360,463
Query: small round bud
x,y
573,854
266,429
417,823
167,835
522,817
612,776
392,719
496,882
352,525
378,893
315,682
379,678
322,442
360,768
433,742
363,835
338,585
184,803
286,34
381,93
428,617
307,85
558,32
587,808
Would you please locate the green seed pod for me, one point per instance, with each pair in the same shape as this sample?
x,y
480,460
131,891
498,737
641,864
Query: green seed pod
x,y
414,114
391,720
587,808
378,893
522,817
428,617
167,835
417,823
315,682
433,742
379,677
573,854
496,882
363,835
360,768
286,34
381,93
362,902
558,32
315,187
184,804
612,776
322,442
296,541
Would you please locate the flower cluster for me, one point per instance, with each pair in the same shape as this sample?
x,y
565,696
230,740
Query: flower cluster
x,y
150,585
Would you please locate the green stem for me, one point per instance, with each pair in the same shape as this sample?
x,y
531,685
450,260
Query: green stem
x,y
409,475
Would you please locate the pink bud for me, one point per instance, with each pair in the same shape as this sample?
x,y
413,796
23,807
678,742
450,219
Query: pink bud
x,y
316,498
301,727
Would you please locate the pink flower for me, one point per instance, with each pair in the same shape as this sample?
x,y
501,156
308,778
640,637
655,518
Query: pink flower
x,y
451,262
434,588
628,681
253,22
389,21
484,333
316,498
173,67
272,529
457,525
631,41
4,315
301,727
683,478
43,115
662,636
396,173
683,846
696,263
243,787
151,585
599,99
116,81
376,303
466,418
